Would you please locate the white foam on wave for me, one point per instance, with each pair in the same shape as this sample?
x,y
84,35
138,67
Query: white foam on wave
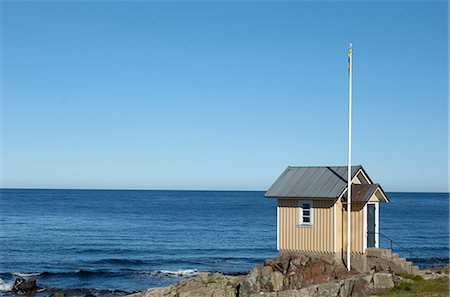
x,y
26,274
5,287
175,273
181,272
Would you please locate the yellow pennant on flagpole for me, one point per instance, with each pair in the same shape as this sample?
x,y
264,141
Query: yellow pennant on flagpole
x,y
349,56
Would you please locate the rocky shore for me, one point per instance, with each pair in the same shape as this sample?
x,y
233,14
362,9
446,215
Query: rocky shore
x,y
288,275
297,275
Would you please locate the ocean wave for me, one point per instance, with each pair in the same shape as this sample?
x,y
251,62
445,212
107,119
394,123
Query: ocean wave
x,y
174,273
119,261
99,273
19,274
77,273
83,272
5,286
181,272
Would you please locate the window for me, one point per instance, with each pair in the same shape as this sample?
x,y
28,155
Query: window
x,y
305,213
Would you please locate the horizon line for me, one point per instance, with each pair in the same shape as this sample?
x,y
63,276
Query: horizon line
x,y
179,190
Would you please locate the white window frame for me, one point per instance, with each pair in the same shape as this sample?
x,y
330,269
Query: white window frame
x,y
300,213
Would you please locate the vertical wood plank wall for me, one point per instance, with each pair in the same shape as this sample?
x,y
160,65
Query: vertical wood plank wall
x,y
356,229
339,228
318,238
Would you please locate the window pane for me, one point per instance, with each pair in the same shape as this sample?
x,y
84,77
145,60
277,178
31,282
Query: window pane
x,y
306,212
305,206
306,220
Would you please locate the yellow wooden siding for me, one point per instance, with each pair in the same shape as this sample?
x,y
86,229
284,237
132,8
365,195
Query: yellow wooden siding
x,y
317,238
374,197
377,196
355,181
339,234
356,228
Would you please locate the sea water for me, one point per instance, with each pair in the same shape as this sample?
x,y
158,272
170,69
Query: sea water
x,y
111,242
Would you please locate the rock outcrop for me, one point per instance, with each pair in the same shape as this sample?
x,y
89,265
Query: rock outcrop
x,y
217,285
204,285
294,275
352,286
289,272
25,286
286,276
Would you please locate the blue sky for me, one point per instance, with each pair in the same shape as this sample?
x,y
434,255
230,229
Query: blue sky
x,y
221,95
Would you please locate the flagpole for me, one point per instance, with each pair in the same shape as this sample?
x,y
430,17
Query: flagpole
x,y
349,168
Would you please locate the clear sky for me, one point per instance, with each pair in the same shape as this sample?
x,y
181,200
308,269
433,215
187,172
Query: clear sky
x,y
221,95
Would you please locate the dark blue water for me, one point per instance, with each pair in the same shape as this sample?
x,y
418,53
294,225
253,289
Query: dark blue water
x,y
417,223
131,240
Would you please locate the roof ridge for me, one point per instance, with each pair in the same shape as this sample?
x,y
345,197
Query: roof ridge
x,y
324,166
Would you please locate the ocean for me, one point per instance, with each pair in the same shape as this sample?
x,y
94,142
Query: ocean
x,y
110,242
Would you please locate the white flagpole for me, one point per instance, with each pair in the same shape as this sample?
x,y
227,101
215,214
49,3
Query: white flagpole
x,y
349,168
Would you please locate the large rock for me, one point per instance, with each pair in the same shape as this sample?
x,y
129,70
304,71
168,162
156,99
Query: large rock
x,y
25,286
292,271
382,281
204,285
276,281
349,287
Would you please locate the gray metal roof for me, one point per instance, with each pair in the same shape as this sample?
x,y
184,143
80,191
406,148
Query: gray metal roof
x,y
311,182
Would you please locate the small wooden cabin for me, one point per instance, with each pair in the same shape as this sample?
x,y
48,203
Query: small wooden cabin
x,y
312,209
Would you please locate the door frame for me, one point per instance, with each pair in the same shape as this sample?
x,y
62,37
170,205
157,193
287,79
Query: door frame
x,y
377,225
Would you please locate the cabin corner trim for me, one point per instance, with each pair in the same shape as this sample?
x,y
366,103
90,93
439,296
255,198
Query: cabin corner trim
x,y
365,228
278,228
334,227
